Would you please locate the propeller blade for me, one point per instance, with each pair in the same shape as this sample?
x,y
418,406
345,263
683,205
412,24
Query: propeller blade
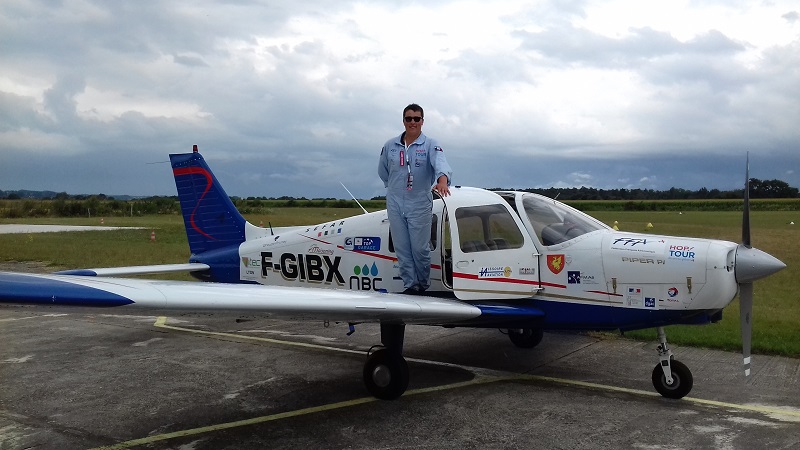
x,y
745,316
746,208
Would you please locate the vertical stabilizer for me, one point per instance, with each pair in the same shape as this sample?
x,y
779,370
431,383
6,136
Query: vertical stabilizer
x,y
211,219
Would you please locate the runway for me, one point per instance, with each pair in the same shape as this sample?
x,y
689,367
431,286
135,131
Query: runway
x,y
25,228
82,378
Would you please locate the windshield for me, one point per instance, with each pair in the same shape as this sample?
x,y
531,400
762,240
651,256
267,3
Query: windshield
x,y
554,222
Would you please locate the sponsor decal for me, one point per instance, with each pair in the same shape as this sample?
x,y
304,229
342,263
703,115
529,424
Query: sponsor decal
x,y
368,244
365,278
494,272
527,271
437,149
681,252
314,249
251,266
578,277
302,267
555,263
672,292
573,277
644,260
634,297
649,302
639,245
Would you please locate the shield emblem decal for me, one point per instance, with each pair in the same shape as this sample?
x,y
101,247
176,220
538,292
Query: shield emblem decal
x,y
555,263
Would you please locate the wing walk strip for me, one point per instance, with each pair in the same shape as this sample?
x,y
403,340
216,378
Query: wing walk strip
x,y
481,378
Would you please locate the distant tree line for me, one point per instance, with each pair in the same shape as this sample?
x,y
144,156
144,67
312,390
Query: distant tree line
x,y
13,204
758,189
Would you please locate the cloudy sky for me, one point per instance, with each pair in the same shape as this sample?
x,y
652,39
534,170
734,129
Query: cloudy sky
x,y
296,97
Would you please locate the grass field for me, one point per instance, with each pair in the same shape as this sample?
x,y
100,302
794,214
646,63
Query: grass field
x,y
776,312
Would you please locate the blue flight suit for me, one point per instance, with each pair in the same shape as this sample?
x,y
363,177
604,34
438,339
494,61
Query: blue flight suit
x,y
410,210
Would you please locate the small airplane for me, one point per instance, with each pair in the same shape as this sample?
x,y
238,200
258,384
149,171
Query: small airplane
x,y
510,260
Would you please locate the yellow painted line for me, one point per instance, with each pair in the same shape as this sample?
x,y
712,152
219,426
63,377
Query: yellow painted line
x,y
32,317
478,380
700,401
238,423
288,414
161,322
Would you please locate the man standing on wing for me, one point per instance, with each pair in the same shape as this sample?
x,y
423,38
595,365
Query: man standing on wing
x,y
409,165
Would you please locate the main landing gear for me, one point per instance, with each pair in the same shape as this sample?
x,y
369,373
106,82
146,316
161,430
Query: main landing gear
x,y
671,378
386,371
525,337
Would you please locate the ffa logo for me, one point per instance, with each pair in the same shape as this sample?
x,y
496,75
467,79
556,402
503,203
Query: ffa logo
x,y
555,263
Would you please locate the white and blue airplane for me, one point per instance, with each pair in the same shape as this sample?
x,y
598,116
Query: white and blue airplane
x,y
510,260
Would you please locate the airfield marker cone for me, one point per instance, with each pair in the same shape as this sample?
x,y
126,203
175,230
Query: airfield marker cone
x,y
153,236
649,225
261,223
102,221
616,228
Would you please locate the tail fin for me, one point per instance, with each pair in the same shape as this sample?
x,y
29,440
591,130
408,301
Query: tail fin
x,y
211,219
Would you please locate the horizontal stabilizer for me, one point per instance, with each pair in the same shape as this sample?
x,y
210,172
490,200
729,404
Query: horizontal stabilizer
x,y
135,270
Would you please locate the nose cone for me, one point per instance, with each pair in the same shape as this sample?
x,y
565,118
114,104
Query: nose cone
x,y
753,264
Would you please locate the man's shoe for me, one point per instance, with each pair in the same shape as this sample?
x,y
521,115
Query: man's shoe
x,y
410,291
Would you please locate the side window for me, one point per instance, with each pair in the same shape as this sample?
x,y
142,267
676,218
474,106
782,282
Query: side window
x,y
487,227
554,222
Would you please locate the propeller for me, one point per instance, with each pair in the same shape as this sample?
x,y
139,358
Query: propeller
x,y
751,264
746,288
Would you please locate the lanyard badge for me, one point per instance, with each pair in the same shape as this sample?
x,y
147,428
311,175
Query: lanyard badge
x,y
407,163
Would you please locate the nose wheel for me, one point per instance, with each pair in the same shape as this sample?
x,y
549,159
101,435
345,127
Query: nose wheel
x,y
680,384
671,378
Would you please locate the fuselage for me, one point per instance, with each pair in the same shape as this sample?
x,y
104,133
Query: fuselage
x,y
501,249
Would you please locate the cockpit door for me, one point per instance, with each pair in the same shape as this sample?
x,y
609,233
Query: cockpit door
x,y
488,253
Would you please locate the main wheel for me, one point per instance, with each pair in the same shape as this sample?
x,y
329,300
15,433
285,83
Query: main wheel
x,y
526,337
682,380
385,376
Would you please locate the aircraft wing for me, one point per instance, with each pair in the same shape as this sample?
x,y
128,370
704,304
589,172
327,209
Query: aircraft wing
x,y
294,302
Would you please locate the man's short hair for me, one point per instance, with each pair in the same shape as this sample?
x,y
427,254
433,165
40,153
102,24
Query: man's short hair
x,y
414,107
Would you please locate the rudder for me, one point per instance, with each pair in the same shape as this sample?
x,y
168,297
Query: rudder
x,y
211,219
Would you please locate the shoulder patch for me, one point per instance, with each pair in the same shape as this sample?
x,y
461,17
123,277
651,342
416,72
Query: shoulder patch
x,y
438,149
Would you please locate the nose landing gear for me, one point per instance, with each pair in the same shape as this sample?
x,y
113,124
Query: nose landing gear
x,y
671,378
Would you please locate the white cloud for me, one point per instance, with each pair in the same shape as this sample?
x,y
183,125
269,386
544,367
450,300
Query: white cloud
x,y
291,99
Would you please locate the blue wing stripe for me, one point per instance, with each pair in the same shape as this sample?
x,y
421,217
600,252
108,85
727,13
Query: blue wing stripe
x,y
16,288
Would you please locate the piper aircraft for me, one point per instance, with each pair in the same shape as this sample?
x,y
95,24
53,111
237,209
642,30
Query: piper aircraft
x,y
511,260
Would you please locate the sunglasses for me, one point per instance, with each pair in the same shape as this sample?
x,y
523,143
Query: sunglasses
x,y
409,119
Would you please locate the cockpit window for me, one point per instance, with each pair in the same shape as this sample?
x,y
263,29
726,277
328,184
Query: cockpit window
x,y
554,222
487,227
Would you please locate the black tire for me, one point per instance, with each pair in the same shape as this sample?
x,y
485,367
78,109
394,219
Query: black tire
x,y
386,377
682,380
527,338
